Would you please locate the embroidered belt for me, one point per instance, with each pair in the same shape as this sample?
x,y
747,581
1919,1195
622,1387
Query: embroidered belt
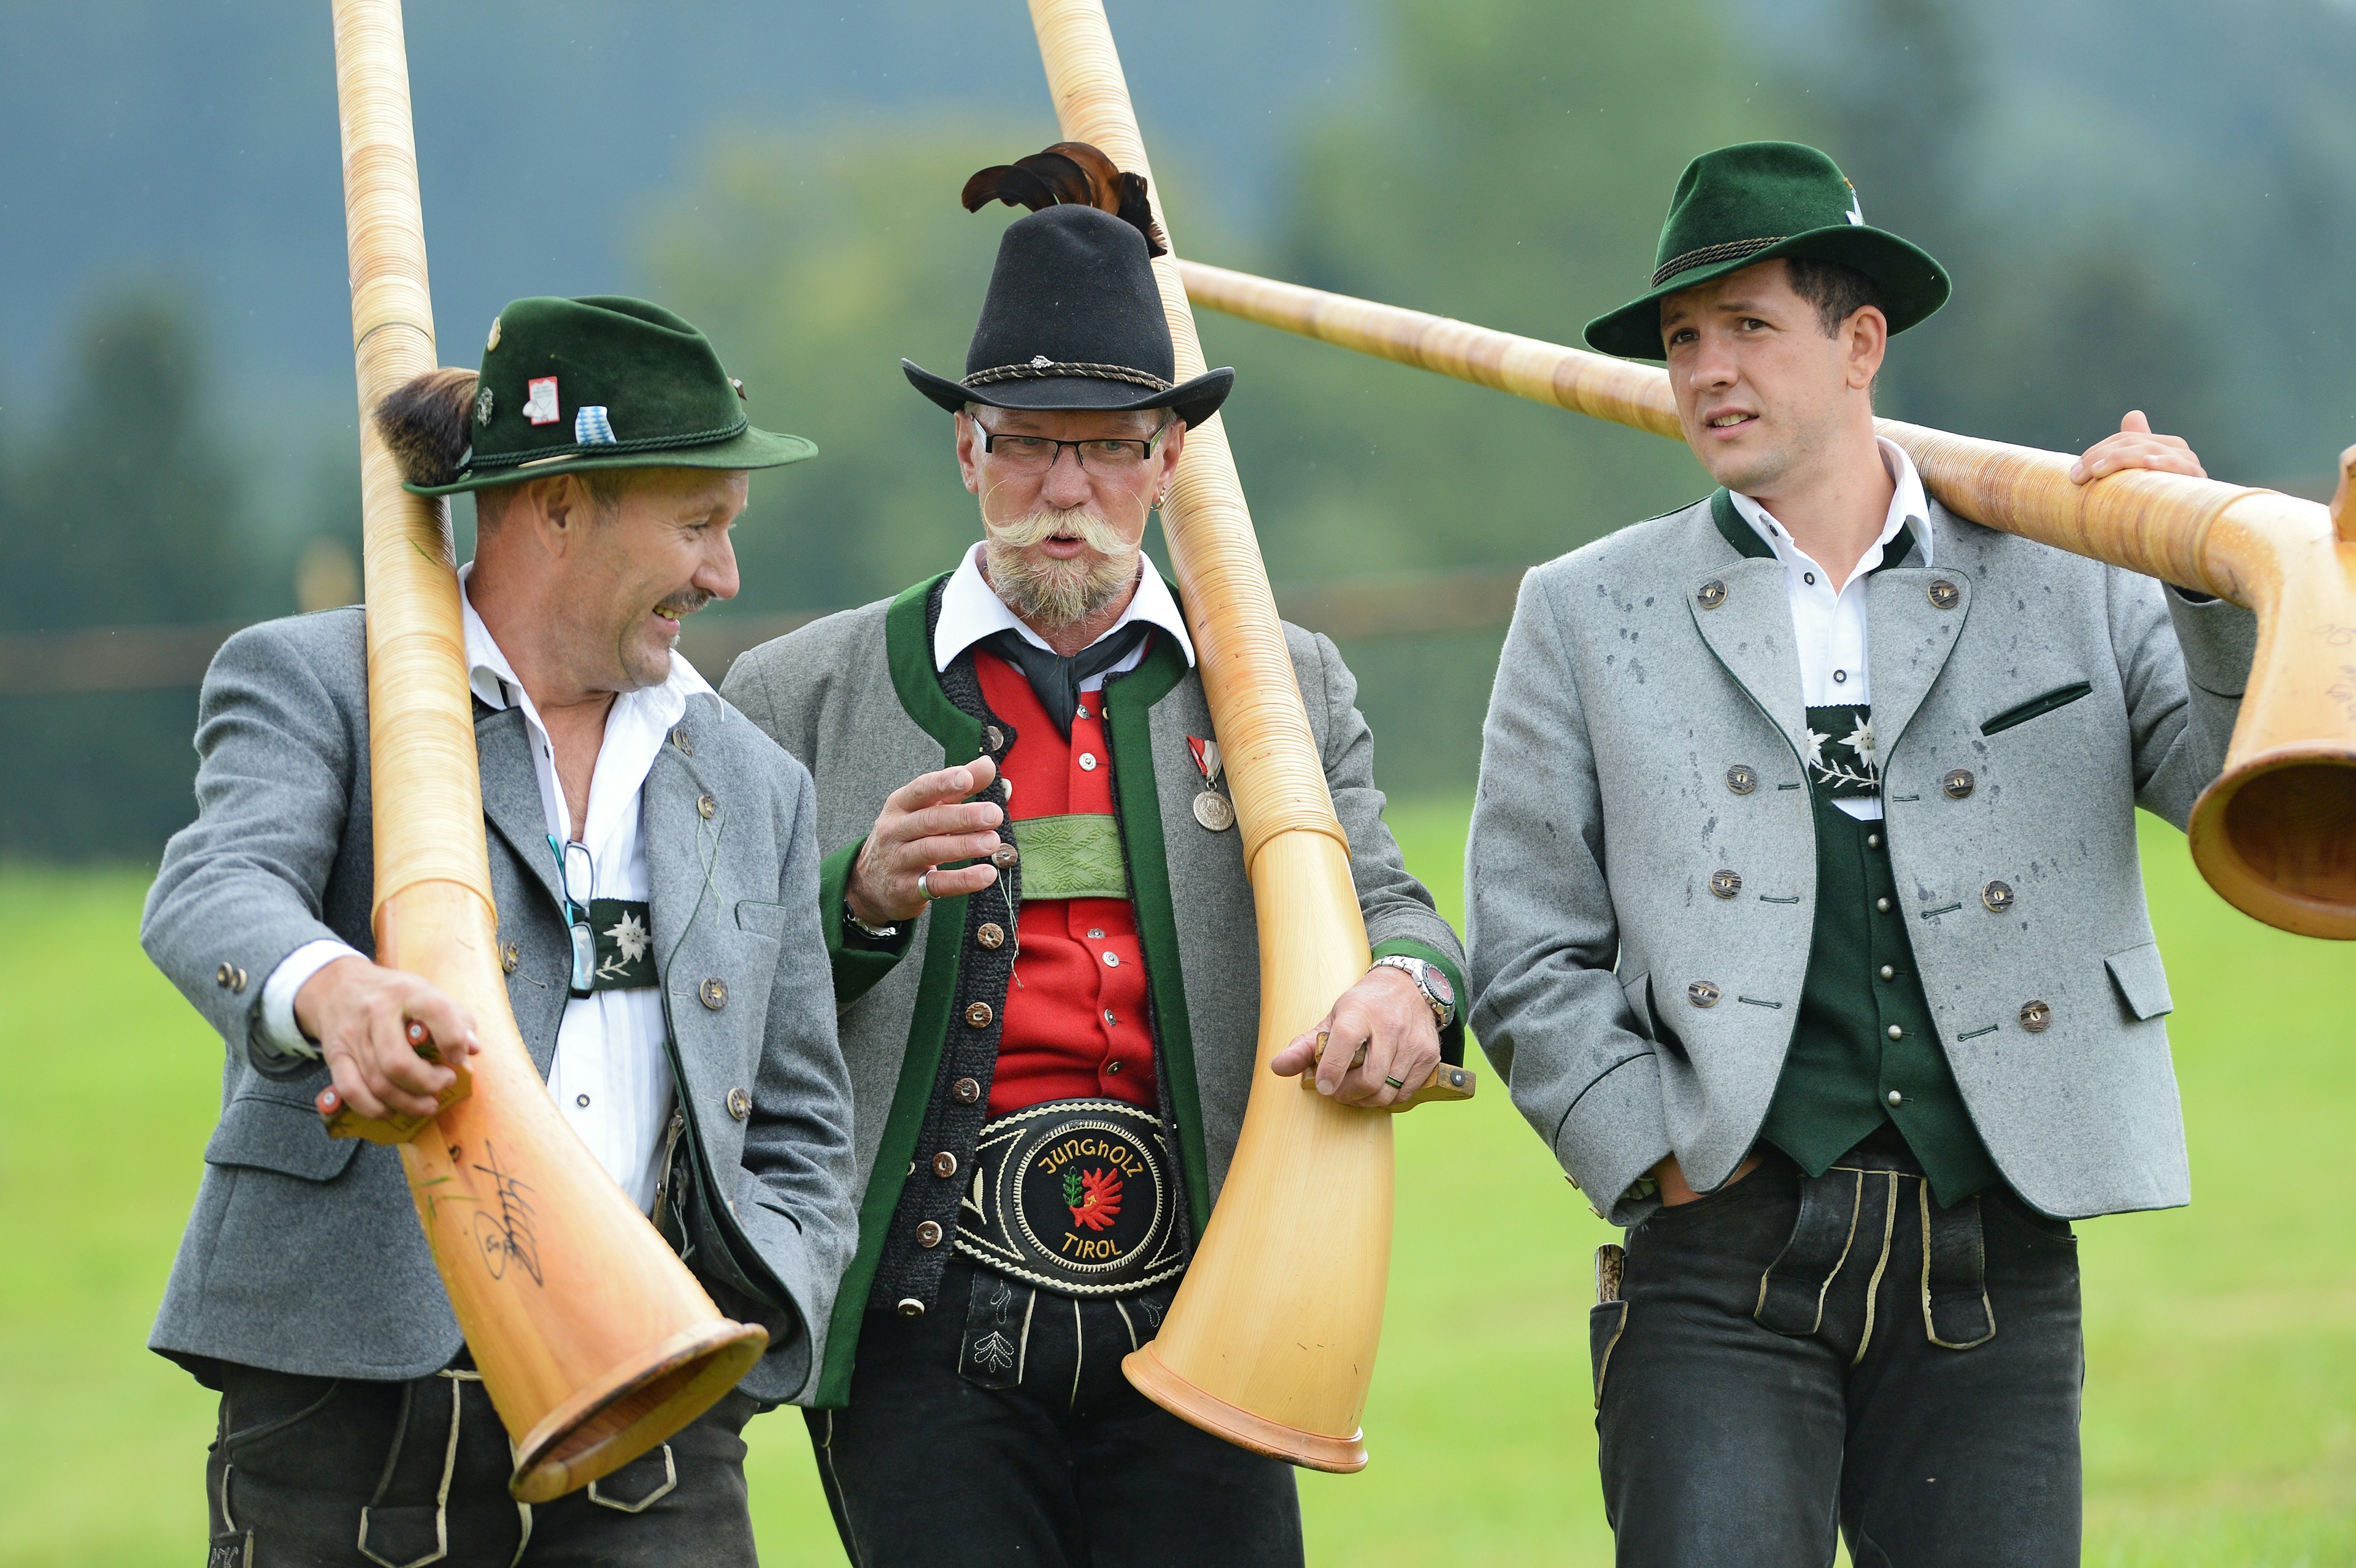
x,y
1075,1196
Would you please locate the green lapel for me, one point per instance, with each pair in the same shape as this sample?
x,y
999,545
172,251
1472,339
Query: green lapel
x,y
919,684
1129,702
1739,534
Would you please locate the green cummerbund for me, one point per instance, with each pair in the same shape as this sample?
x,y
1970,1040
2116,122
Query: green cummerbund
x,y
1076,857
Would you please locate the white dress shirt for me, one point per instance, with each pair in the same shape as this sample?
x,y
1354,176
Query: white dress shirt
x,y
610,1078
971,610
1829,628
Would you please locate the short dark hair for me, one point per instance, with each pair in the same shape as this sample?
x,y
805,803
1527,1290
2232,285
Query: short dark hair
x,y
1837,290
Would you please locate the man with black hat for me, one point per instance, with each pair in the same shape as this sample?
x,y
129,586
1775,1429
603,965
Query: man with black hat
x,y
655,870
1861,1005
1045,947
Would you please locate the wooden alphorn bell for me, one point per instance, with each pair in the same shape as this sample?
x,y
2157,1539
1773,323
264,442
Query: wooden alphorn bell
x,y
592,1339
1270,1342
2276,834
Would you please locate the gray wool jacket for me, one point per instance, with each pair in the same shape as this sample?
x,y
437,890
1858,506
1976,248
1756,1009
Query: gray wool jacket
x,y
1624,698
857,698
304,1254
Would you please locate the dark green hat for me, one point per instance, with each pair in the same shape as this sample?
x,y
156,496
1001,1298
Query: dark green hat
x,y
605,382
1750,203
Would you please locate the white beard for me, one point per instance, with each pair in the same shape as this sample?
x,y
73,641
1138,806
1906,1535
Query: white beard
x,y
1051,593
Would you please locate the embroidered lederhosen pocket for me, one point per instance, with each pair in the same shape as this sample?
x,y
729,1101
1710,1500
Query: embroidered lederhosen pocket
x,y
1074,1196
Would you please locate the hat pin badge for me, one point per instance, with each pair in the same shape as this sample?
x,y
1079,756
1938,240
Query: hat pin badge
x,y
1856,213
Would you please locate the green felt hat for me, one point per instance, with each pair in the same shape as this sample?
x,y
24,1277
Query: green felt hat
x,y
1750,203
605,382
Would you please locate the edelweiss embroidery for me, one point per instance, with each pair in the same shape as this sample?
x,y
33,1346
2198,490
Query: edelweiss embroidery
x,y
1848,766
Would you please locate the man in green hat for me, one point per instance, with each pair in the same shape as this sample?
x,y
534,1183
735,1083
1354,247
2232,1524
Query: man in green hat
x,y
1807,928
656,875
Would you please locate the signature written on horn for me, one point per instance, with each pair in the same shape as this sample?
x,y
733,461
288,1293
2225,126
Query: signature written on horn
x,y
508,1237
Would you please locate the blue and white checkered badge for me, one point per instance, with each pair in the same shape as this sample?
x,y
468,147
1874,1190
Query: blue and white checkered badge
x,y
590,428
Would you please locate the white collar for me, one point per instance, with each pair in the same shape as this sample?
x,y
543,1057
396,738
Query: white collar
x,y
494,679
1907,506
971,610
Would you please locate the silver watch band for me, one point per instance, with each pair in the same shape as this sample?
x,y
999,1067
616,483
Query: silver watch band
x,y
879,932
1443,1013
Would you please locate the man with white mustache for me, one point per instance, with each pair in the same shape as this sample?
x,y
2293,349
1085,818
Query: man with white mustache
x,y
1045,953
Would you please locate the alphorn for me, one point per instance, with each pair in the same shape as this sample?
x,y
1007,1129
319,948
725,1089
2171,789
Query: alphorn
x,y
1270,1342
592,1339
2276,834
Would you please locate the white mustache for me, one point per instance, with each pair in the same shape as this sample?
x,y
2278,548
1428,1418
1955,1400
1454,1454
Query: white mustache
x,y
1022,533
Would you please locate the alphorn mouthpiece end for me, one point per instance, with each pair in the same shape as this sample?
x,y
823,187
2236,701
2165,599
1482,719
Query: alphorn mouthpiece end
x,y
2343,517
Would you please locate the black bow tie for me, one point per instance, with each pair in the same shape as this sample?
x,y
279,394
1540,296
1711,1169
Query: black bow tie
x,y
1054,679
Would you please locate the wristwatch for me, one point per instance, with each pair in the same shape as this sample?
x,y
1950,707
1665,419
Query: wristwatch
x,y
873,932
1430,979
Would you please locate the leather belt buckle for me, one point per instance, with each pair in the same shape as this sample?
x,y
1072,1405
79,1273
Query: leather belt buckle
x,y
1074,1196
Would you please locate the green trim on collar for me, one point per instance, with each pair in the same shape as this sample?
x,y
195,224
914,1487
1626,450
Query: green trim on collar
x,y
909,649
856,969
1739,534
1127,706
1451,1038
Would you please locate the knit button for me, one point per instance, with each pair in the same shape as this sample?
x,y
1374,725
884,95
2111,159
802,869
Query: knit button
x,y
1087,761
1873,840
705,806
966,1091
740,1104
991,934
1895,1098
1957,784
581,1100
1113,960
713,993
1725,884
1882,905
944,1165
1888,973
978,1015
1741,779
1897,1033
993,737
928,1233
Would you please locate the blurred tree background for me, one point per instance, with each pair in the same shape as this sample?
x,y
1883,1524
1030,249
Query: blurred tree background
x,y
2144,205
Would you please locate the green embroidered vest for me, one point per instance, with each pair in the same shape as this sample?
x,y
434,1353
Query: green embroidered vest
x,y
1844,1060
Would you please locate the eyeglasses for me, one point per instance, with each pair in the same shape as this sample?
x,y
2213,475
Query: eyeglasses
x,y
1106,457
577,870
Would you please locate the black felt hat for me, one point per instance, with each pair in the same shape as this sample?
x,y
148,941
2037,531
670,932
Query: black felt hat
x,y
1073,320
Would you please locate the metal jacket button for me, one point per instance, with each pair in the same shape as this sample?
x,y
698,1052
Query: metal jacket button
x,y
1087,761
1958,783
705,807
966,1091
713,993
1897,1033
1896,1098
509,956
679,738
1712,594
911,1308
740,1104
993,737
1944,594
2036,1017
1741,779
991,934
1873,840
1888,973
978,1015
1882,905
1998,896
1702,994
1113,960
944,1165
229,977
1112,1067
1726,884
928,1233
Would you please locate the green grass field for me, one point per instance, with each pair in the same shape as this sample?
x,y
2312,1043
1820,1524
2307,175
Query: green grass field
x,y
2220,1404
